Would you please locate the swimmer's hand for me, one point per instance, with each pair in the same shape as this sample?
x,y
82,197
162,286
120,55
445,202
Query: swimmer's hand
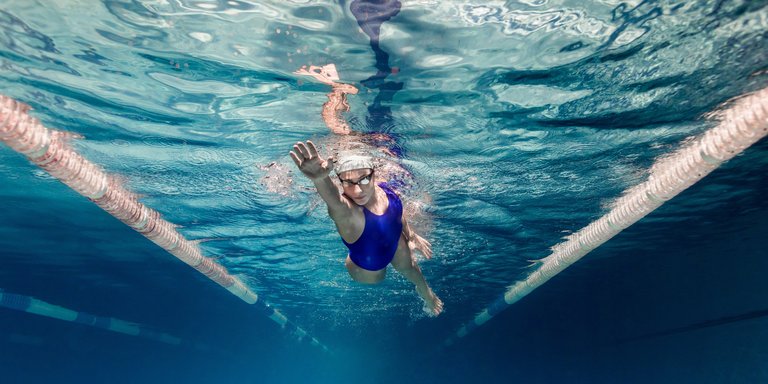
x,y
326,74
309,161
420,244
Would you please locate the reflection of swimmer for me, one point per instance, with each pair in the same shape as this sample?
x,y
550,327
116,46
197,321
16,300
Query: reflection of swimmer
x,y
337,99
367,211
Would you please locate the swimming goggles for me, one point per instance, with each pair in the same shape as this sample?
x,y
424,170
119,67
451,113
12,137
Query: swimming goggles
x,y
364,181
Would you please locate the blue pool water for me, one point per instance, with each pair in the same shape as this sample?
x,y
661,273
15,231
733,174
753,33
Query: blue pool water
x,y
521,123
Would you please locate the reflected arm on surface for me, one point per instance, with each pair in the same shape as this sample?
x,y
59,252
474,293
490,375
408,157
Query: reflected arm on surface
x,y
337,98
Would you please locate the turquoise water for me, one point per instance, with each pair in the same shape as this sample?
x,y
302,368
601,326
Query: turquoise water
x,y
521,122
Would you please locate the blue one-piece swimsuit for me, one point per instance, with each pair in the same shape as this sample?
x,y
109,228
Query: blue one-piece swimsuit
x,y
377,245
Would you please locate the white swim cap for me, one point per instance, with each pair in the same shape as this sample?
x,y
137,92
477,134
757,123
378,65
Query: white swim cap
x,y
348,162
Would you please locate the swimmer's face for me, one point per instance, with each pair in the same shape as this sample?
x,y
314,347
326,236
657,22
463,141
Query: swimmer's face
x,y
358,185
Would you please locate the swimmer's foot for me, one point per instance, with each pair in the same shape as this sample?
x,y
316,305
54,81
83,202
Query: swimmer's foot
x,y
433,306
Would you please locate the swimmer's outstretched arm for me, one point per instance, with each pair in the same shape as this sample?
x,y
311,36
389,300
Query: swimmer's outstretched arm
x,y
337,98
317,169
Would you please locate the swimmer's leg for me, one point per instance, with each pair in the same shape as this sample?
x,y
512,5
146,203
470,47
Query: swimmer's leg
x,y
363,275
407,266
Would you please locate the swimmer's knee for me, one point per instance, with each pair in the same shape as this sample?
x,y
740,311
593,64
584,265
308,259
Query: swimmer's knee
x,y
404,263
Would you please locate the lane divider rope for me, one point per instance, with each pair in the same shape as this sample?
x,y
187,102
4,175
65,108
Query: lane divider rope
x,y
744,123
49,150
35,306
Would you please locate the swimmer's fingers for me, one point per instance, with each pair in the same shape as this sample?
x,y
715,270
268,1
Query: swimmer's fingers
x,y
312,149
296,151
303,150
428,254
314,72
295,159
320,74
427,250
425,247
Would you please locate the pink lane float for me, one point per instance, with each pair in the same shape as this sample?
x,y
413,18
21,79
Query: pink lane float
x,y
49,150
743,123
